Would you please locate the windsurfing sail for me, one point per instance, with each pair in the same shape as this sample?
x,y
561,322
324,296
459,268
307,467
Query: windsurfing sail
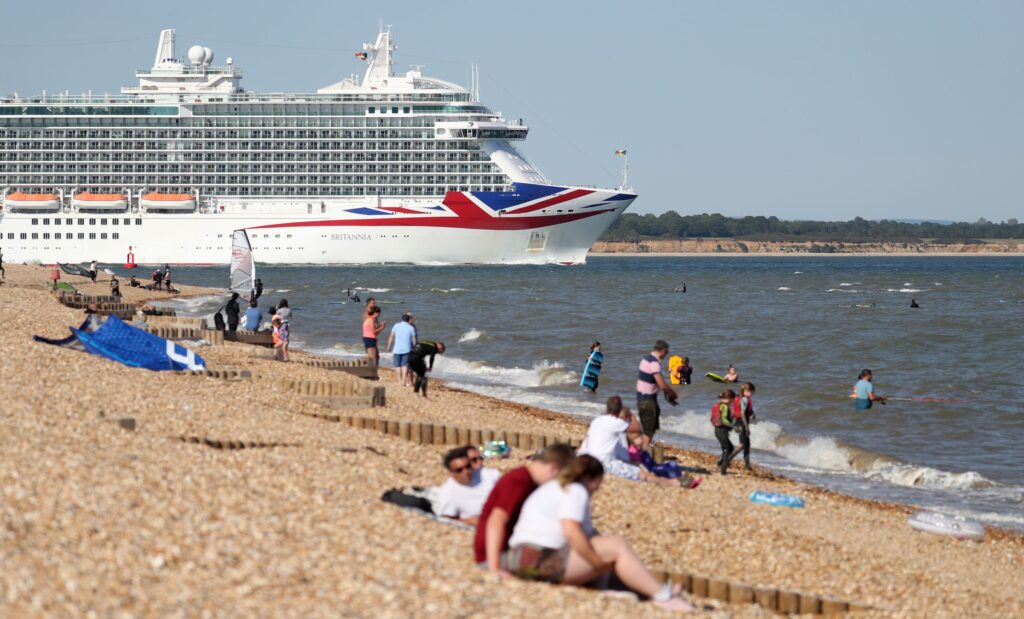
x,y
126,344
243,267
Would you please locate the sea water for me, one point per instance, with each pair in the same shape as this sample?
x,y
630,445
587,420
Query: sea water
x,y
801,328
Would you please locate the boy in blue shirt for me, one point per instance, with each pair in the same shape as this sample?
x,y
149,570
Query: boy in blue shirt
x,y
401,342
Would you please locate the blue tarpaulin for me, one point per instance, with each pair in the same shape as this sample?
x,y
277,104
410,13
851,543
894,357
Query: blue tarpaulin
x,y
131,346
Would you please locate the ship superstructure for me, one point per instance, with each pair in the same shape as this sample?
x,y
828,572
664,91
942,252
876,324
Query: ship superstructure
x,y
386,168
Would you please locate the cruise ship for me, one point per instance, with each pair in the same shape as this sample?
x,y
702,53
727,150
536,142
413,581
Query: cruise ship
x,y
378,168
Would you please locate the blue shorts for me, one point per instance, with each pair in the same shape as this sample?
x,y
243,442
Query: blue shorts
x,y
370,342
401,359
862,404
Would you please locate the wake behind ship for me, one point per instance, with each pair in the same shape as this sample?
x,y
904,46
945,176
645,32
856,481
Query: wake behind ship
x,y
386,168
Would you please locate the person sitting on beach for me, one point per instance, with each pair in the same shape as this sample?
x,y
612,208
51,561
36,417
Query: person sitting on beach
x,y
115,287
864,392
134,283
463,494
253,316
555,540
606,440
724,419
501,510
731,376
418,363
476,459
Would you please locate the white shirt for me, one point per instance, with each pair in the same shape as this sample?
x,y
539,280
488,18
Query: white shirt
x,y
458,501
606,438
540,521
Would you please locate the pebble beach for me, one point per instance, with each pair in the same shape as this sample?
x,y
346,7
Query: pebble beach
x,y
108,510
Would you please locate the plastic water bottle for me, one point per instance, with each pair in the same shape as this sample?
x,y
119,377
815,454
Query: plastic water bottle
x,y
776,498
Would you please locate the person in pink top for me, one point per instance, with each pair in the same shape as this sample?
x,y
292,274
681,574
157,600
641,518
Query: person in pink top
x,y
648,383
371,328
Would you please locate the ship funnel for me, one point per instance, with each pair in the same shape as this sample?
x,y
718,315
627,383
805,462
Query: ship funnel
x,y
165,48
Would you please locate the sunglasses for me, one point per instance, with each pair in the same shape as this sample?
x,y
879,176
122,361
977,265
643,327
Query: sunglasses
x,y
460,469
475,460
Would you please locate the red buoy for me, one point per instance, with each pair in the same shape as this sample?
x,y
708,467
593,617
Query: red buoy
x,y
129,262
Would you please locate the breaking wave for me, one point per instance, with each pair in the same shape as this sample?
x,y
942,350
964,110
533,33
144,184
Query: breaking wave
x,y
783,288
471,335
904,289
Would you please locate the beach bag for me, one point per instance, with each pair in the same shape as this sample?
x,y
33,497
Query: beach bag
x,y
407,500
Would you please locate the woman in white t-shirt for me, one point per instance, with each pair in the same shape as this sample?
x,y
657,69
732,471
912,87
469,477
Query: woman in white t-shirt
x,y
555,541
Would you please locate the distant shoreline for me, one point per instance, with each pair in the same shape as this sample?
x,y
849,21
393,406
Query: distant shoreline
x,y
694,247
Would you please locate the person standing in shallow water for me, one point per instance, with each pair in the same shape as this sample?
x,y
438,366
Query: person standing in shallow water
x,y
864,392
649,383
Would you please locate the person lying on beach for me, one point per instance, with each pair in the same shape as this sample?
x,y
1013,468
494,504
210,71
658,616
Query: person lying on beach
x,y
501,510
463,494
606,440
555,540
731,376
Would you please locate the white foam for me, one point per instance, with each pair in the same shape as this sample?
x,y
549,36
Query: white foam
x,y
908,283
448,290
542,374
851,290
912,476
283,290
797,272
783,288
469,336
904,290
374,289
846,284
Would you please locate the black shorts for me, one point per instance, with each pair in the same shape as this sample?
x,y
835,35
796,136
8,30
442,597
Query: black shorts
x,y
650,415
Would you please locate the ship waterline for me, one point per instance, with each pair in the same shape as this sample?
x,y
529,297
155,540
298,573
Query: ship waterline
x,y
389,168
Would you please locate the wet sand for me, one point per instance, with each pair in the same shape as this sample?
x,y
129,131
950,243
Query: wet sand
x,y
102,520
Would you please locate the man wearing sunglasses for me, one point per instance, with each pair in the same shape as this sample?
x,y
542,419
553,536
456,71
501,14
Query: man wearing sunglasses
x,y
463,494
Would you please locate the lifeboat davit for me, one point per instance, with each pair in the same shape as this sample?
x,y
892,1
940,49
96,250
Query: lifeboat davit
x,y
48,202
168,201
100,201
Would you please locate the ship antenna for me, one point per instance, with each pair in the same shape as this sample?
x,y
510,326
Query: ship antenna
x,y
625,169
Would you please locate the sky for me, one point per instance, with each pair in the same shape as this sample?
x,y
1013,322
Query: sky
x,y
798,109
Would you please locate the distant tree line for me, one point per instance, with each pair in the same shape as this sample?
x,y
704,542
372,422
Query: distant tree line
x,y
672,225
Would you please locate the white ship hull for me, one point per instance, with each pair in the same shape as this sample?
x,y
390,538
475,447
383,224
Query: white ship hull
x,y
549,225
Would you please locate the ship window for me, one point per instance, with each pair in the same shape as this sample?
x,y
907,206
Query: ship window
x,y
56,235
69,221
406,109
92,235
394,110
115,235
127,221
10,235
103,222
103,235
46,235
35,222
81,222
24,236
113,221
138,222
35,235
372,109
92,222
46,222
81,235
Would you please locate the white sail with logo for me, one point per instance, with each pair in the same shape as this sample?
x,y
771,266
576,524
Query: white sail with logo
x,y
243,267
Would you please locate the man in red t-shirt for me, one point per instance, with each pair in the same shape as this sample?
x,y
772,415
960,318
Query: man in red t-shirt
x,y
501,511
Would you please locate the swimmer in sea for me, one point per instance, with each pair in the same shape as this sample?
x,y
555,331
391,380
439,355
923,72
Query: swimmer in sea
x,y
914,305
732,375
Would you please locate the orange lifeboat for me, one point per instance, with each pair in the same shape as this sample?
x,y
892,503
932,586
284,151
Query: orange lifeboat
x,y
168,201
100,201
42,202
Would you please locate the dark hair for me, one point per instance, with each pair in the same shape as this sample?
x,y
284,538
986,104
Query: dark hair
x,y
455,454
660,345
558,453
234,295
406,317
749,387
441,348
596,344
728,394
252,302
368,299
282,303
614,405
375,310
581,469
864,372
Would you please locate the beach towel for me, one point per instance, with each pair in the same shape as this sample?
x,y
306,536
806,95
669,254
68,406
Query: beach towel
x,y
121,342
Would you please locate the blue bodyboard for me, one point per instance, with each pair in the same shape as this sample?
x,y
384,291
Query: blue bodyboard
x,y
592,371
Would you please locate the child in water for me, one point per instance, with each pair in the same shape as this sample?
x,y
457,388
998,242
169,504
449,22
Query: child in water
x,y
722,419
280,339
594,348
744,410
732,375
684,371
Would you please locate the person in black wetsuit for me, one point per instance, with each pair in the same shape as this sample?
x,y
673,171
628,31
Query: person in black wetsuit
x,y
232,309
914,305
418,362
258,290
